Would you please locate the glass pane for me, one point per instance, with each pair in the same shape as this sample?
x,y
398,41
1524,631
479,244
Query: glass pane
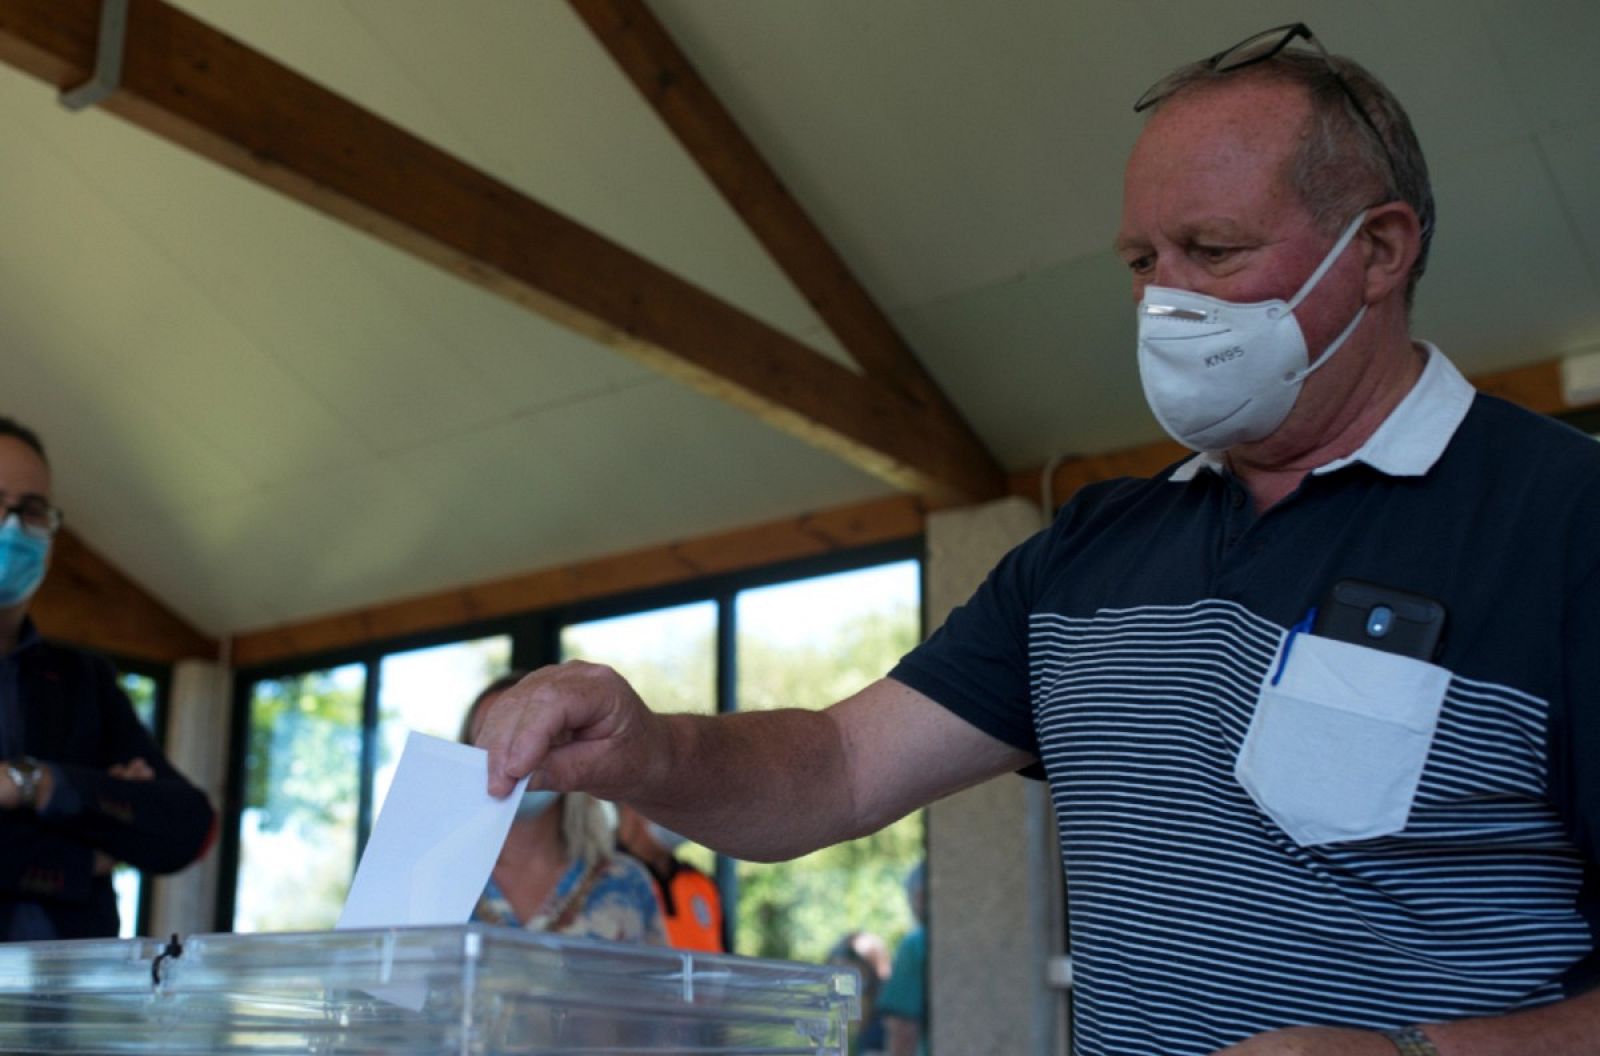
x,y
429,690
668,655
297,832
141,690
807,644
127,881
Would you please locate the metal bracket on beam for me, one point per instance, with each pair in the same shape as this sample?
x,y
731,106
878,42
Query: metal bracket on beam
x,y
107,75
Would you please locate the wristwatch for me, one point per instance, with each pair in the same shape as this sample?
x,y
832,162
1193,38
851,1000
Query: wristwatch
x,y
1411,1041
24,773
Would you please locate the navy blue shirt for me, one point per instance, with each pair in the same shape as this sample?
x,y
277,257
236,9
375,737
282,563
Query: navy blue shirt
x,y
1127,645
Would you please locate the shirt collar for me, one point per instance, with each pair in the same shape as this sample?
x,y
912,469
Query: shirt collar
x,y
1408,442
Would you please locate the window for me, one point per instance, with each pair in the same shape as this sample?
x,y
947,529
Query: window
x,y
796,643
316,746
807,644
429,690
669,656
297,828
128,882
320,751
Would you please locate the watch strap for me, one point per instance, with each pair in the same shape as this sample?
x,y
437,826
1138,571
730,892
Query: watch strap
x,y
1410,1041
24,773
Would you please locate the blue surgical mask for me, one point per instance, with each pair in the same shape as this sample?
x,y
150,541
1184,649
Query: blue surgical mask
x,y
534,802
23,558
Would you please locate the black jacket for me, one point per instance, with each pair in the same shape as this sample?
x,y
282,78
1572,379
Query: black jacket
x,y
75,717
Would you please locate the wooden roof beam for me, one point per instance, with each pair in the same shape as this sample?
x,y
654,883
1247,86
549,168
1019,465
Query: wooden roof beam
x,y
199,88
649,57
842,528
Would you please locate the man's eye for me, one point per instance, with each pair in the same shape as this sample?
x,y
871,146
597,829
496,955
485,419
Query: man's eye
x,y
1141,265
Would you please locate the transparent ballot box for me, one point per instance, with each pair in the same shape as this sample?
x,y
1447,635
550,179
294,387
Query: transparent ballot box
x,y
468,990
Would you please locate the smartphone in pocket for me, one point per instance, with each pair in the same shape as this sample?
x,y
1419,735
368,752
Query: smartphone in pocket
x,y
1380,617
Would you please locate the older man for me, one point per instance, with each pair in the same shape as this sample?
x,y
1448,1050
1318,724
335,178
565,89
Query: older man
x,y
82,785
1282,834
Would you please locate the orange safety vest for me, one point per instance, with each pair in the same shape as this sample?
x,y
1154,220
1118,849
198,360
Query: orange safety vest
x,y
691,906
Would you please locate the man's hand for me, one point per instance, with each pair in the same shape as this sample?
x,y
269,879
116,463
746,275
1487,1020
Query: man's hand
x,y
135,769
576,727
1313,1041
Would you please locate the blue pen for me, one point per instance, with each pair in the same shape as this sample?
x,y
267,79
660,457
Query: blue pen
x,y
1303,627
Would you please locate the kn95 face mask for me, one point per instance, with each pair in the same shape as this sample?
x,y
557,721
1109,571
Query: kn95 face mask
x,y
1217,373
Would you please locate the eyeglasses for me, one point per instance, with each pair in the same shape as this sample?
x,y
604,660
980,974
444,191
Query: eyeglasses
x,y
36,516
1261,47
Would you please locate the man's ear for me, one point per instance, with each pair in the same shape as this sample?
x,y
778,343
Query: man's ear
x,y
1392,239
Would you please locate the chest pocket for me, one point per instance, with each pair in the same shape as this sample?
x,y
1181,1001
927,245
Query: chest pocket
x,y
1336,747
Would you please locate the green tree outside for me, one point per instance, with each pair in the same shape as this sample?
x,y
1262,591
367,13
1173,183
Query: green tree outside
x,y
799,910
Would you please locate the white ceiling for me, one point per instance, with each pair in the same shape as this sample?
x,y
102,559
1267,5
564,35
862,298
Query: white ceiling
x,y
262,415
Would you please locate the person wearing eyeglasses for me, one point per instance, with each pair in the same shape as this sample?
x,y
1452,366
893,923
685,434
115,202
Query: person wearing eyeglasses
x,y
1319,705
82,785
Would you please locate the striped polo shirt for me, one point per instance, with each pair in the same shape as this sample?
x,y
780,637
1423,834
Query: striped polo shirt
x,y
1125,647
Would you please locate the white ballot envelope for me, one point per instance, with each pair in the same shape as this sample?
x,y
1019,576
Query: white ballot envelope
x,y
435,840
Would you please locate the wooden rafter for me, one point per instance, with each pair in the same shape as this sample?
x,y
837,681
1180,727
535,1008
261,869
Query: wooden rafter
x,y
668,81
88,601
205,91
845,528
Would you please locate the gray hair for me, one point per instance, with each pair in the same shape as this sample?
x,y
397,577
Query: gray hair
x,y
1340,167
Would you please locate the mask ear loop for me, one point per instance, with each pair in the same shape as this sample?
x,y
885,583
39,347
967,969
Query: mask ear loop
x,y
1294,377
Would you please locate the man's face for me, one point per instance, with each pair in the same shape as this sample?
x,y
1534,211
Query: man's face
x,y
1208,207
22,472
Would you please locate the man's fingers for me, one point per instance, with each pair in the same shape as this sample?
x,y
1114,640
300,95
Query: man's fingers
x,y
551,724
519,731
135,769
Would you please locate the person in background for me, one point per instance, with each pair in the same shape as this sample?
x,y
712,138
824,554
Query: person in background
x,y
691,905
867,954
903,1002
82,785
1279,837
559,870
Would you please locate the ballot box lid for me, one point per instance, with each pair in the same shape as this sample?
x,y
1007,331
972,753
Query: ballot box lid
x,y
467,989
